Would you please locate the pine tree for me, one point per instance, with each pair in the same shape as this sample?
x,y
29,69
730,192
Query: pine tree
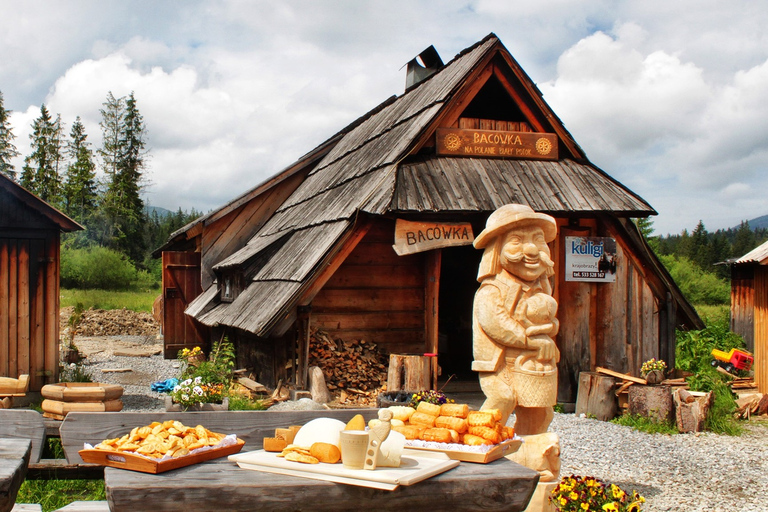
x,y
124,162
7,150
699,251
80,193
744,240
111,126
645,226
41,169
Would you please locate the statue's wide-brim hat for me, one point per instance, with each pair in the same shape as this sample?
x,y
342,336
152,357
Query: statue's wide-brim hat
x,y
511,216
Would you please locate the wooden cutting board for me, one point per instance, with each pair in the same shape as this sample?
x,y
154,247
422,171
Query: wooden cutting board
x,y
414,467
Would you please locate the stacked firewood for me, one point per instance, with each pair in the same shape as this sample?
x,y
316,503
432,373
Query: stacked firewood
x,y
354,371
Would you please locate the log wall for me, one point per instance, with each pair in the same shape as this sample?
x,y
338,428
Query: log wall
x,y
29,306
376,295
761,329
743,303
613,325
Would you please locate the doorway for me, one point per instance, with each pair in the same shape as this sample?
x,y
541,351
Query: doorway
x,y
458,284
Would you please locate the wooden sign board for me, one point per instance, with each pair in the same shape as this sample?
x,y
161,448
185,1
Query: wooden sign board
x,y
413,237
496,144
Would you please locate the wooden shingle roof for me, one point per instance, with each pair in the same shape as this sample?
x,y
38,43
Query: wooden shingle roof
x,y
369,167
757,255
484,184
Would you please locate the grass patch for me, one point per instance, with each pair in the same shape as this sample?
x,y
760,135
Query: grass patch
x,y
710,313
109,299
242,403
55,494
646,425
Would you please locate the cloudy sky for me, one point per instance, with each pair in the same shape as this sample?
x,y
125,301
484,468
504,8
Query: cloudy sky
x,y
668,97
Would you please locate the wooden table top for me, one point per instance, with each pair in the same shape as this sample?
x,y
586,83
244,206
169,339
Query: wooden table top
x,y
222,485
14,459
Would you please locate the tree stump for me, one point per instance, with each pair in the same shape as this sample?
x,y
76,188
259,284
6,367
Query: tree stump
x,y
596,397
408,372
653,402
691,410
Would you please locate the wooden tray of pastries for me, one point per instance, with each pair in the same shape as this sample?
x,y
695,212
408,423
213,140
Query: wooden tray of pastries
x,y
161,447
466,453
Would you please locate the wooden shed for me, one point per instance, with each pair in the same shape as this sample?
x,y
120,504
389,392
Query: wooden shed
x,y
30,235
749,307
368,236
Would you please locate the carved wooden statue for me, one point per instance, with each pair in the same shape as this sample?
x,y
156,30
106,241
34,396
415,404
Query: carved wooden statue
x,y
513,329
514,317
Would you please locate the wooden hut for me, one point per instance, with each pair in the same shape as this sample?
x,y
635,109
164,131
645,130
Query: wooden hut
x,y
29,284
749,307
325,243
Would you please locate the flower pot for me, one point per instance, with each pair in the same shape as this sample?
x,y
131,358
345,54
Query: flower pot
x,y
195,359
171,406
70,355
654,377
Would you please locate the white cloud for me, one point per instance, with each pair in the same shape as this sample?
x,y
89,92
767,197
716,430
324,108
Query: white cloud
x,y
668,97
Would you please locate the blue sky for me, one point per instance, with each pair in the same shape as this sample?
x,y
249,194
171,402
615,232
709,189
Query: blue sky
x,y
667,97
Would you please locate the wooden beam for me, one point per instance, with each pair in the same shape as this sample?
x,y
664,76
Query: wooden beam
x,y
431,308
623,376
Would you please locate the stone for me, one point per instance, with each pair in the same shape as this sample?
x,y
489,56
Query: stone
x,y
317,387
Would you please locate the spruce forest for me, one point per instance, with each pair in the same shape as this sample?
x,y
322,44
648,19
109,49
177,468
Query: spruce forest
x,y
100,188
63,169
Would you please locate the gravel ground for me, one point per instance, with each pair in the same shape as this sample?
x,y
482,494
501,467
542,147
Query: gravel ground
x,y
680,473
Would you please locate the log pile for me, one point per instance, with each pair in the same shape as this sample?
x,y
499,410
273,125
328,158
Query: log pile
x,y
355,371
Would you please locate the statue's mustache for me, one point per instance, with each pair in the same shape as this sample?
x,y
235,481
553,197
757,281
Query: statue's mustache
x,y
518,256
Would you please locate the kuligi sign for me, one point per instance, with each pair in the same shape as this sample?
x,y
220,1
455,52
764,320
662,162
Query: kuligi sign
x,y
412,237
591,259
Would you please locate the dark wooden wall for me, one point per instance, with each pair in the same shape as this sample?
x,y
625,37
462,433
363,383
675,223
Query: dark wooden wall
x,y
612,325
376,295
181,284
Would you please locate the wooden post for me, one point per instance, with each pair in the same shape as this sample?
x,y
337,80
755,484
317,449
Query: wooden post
x,y
596,396
408,373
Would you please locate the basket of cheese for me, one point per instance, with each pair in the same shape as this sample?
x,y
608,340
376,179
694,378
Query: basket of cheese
x,y
160,447
453,429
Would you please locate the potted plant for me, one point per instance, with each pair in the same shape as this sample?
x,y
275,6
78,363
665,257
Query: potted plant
x,y
578,493
204,384
70,353
653,371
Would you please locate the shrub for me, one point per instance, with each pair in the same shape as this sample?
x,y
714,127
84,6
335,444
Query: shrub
x,y
698,286
694,354
96,267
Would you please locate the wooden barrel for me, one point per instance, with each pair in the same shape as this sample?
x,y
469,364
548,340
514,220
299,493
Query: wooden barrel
x,y
58,410
82,392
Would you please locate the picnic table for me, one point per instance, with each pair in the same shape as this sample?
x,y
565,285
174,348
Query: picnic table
x,y
14,459
222,485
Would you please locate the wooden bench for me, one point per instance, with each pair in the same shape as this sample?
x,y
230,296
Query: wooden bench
x,y
24,424
14,459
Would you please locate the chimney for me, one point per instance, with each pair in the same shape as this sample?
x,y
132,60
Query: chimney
x,y
422,66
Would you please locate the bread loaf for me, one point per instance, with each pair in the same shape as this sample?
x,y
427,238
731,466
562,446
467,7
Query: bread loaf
x,y
457,424
427,408
420,418
325,452
437,435
456,410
